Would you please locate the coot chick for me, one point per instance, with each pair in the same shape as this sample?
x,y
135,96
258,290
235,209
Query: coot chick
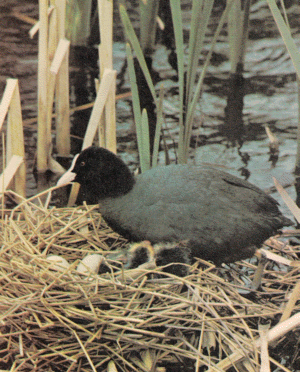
x,y
173,257
221,217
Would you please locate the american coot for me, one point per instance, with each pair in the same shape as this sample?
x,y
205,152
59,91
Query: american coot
x,y
220,217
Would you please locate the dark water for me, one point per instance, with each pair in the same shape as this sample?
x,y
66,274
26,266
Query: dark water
x,y
270,97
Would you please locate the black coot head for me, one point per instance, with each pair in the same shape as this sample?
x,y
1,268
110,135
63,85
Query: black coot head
x,y
101,172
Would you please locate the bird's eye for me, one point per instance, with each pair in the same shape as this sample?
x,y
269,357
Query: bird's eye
x,y
82,164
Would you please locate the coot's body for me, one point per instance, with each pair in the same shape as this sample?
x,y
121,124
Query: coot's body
x,y
221,217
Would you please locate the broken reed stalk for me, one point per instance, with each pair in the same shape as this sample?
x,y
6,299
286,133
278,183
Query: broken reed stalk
x,y
15,171
107,129
52,46
9,172
62,103
106,84
60,71
59,319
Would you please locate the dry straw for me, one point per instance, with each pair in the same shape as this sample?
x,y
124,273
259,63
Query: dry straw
x,y
135,321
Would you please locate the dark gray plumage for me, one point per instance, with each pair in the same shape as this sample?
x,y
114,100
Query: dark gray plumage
x,y
221,217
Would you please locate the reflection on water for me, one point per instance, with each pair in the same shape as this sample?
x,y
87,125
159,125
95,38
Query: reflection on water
x,y
269,87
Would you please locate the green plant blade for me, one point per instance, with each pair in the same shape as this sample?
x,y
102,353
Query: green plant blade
x,y
130,34
135,95
238,22
201,12
148,12
159,123
192,106
144,151
286,35
141,119
177,23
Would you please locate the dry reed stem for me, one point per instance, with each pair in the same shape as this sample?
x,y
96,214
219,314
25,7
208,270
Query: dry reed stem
x,y
44,133
108,79
62,320
107,129
15,173
36,24
6,99
288,200
10,171
63,141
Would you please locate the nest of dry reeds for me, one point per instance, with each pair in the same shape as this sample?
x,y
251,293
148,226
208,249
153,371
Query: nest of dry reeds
x,y
65,321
